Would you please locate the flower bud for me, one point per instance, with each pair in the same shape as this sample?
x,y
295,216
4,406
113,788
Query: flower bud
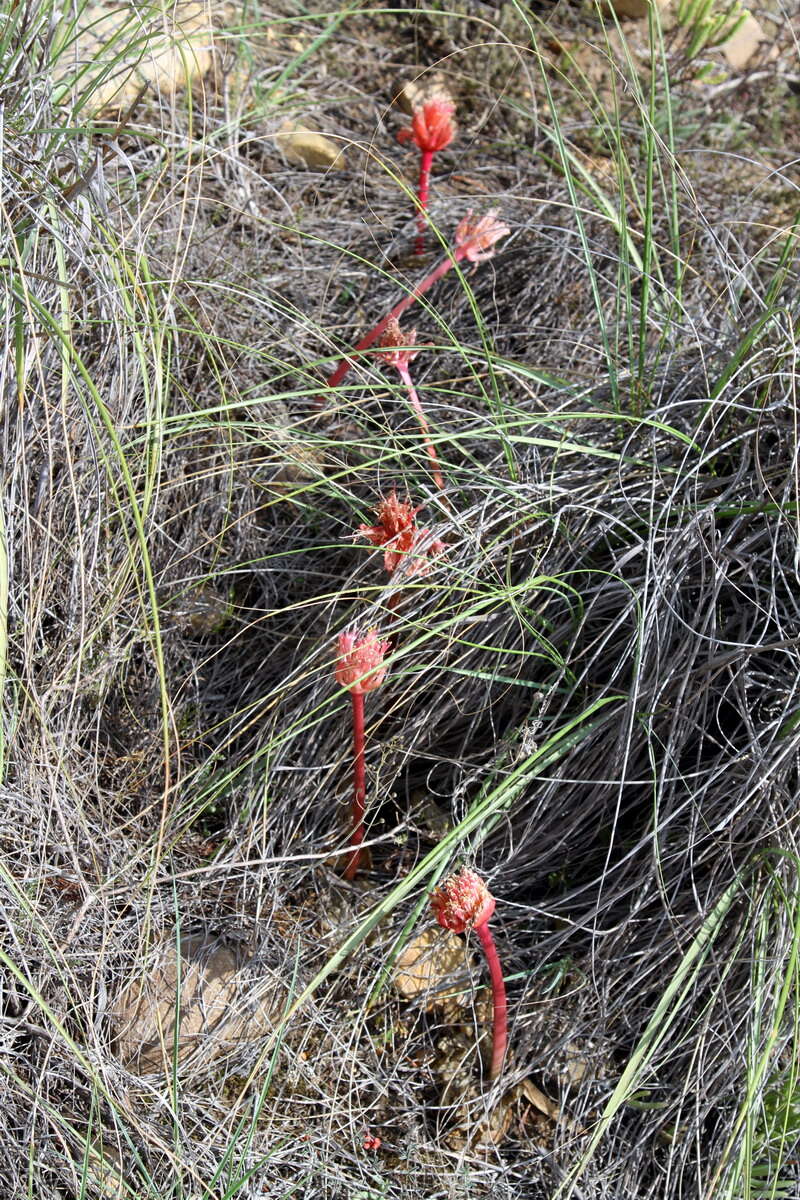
x,y
462,902
475,238
432,125
359,664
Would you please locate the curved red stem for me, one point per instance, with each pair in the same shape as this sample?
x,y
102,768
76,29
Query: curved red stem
x,y
422,420
436,274
359,785
499,1002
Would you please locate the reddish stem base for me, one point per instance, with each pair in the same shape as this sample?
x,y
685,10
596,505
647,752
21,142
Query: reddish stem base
x,y
499,1002
359,785
425,164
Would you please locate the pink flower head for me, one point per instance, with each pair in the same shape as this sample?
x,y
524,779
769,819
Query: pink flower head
x,y
462,902
394,337
359,663
475,239
432,125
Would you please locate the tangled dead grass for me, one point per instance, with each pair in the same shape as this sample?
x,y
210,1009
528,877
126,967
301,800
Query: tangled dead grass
x,y
607,652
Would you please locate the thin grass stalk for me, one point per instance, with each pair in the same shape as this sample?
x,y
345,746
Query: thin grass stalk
x,y
3,634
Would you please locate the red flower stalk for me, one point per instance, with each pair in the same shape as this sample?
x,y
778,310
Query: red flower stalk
x,y
404,542
474,241
431,129
391,341
359,668
464,902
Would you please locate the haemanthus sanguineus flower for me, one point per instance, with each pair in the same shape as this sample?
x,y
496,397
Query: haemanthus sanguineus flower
x,y
475,239
397,349
403,542
431,129
360,668
464,902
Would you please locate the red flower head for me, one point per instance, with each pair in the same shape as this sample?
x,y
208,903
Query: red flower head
x,y
359,663
393,337
475,239
395,517
431,125
372,1142
462,902
398,532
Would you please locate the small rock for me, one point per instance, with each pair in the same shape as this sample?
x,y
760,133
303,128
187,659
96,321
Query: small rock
x,y
216,1008
744,45
169,52
425,965
302,464
429,817
104,1171
202,612
576,1066
305,148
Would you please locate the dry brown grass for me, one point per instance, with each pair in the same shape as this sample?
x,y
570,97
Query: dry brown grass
x,y
179,517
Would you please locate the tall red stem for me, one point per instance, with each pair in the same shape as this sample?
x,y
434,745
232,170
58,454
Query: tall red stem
x,y
422,420
425,164
436,274
359,785
499,1002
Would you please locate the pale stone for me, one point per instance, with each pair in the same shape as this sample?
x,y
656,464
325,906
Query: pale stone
x,y
305,148
744,45
122,51
104,1170
217,1008
203,611
426,963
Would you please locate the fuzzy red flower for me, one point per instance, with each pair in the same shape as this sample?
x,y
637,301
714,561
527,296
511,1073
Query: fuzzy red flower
x,y
394,517
432,125
404,542
359,665
475,238
462,902
395,529
392,338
